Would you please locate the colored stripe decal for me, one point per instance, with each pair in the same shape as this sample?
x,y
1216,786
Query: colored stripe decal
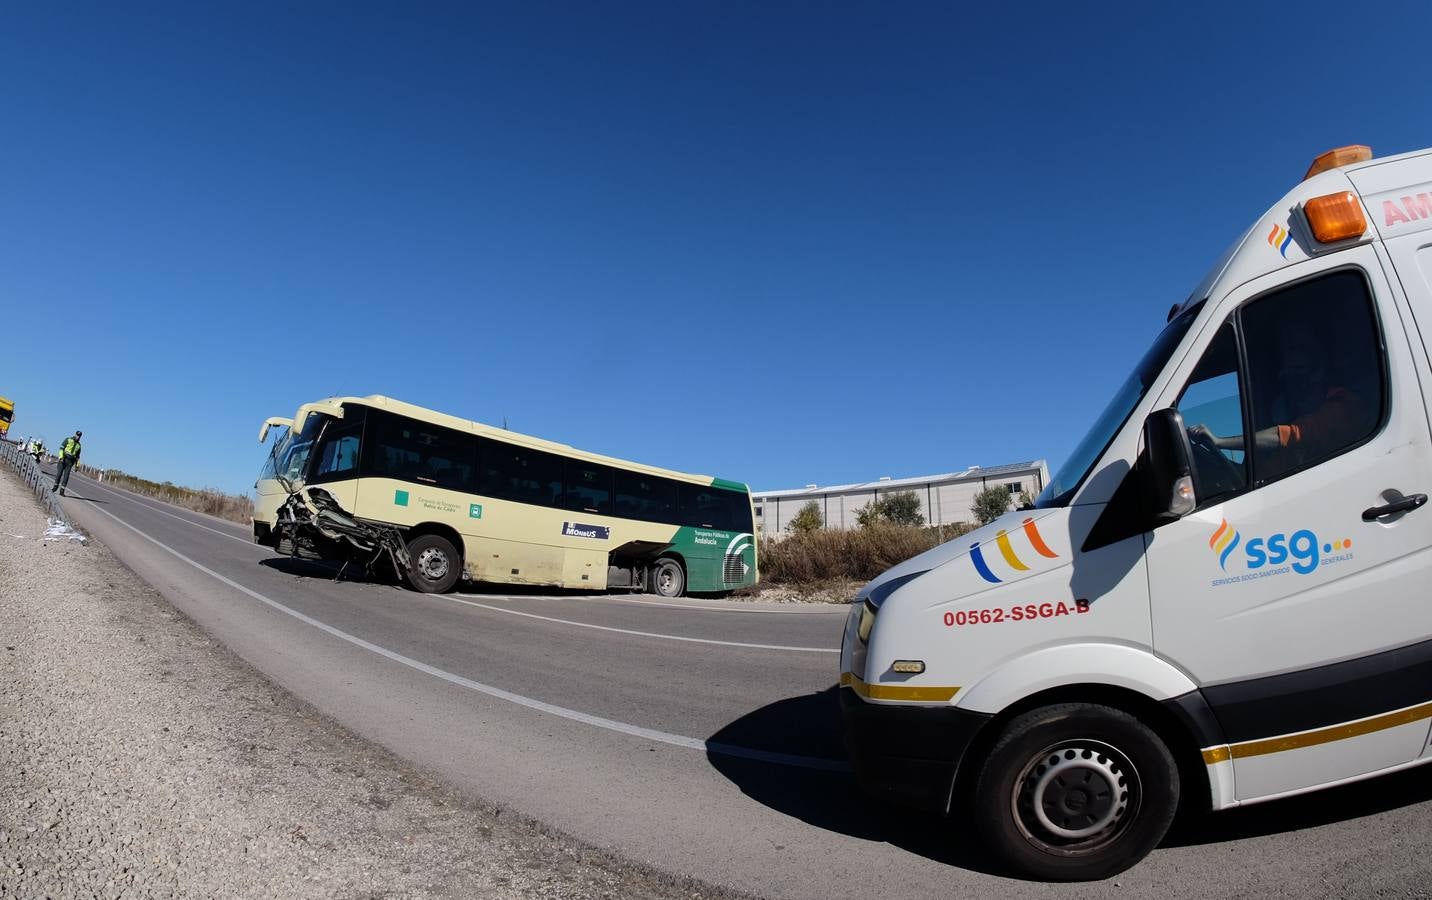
x,y
1001,538
977,558
1037,541
1283,249
1218,534
1320,736
1273,235
897,691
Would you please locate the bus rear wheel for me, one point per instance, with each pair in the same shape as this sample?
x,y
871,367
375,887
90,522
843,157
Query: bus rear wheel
x,y
667,579
1075,792
435,564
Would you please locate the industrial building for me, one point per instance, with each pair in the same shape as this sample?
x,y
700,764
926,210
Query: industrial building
x,y
944,499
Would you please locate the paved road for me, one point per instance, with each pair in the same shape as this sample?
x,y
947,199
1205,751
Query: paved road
x,y
697,737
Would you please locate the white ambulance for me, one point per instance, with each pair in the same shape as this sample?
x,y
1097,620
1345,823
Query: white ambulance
x,y
1225,595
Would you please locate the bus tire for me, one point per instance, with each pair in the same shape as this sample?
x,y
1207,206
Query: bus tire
x,y
436,564
667,578
1075,792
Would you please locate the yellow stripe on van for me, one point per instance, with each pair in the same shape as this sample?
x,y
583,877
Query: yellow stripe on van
x,y
1342,732
914,693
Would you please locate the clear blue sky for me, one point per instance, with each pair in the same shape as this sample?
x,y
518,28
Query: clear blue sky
x,y
779,243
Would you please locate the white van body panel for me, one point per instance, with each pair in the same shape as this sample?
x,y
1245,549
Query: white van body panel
x,y
1312,670
1115,665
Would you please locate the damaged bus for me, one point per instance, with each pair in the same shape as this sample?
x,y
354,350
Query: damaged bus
x,y
376,482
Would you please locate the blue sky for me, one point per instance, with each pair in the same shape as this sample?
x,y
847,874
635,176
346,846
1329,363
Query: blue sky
x,y
779,243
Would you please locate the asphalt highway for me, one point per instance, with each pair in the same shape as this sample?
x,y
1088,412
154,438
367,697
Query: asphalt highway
x,y
698,737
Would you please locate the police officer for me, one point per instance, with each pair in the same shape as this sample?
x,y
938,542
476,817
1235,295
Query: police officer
x,y
69,455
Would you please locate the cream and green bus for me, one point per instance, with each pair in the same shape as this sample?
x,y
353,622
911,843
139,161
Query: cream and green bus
x,y
438,498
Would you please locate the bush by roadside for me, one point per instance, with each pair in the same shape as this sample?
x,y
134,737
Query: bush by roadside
x,y
812,561
235,508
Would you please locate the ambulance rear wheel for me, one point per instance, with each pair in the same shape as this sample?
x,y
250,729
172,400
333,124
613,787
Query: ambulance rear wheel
x,y
1075,792
667,579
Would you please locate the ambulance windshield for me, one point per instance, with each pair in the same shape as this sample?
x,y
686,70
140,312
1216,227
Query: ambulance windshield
x,y
1076,468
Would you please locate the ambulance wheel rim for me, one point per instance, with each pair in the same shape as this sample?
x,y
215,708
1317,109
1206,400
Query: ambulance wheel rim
x,y
1076,797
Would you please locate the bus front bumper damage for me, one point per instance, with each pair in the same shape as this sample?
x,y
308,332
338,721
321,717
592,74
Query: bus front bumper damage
x,y
312,525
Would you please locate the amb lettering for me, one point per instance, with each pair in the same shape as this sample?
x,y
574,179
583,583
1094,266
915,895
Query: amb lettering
x,y
1416,207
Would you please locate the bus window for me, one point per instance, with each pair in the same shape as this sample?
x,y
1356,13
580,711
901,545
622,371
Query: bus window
x,y
409,450
647,497
338,456
589,487
511,472
712,507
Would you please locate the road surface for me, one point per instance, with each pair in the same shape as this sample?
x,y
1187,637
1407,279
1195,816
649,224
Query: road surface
x,y
699,737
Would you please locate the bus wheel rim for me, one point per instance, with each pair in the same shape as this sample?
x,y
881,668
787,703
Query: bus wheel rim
x,y
1076,797
433,564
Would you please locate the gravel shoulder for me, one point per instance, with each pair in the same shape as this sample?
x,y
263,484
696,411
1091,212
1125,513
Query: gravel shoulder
x,y
138,757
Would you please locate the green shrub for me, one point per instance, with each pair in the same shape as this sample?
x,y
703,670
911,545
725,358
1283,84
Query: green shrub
x,y
902,508
807,519
990,503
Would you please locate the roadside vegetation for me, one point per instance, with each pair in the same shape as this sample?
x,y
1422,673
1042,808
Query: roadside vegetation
x,y
235,508
810,562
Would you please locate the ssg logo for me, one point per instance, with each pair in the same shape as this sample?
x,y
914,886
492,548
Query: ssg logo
x,y
1279,239
1223,541
1276,554
1006,549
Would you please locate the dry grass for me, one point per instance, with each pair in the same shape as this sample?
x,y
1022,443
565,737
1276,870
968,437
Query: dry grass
x,y
235,508
821,557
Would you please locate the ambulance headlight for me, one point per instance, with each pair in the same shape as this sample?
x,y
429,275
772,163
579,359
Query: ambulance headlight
x,y
867,621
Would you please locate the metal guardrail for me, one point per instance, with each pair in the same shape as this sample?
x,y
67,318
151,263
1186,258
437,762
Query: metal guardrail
x,y
31,473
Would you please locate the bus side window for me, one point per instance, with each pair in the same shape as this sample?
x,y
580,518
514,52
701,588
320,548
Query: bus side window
x,y
409,450
713,507
646,497
510,472
589,487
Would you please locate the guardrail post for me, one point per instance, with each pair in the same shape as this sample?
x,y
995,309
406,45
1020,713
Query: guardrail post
x,y
31,473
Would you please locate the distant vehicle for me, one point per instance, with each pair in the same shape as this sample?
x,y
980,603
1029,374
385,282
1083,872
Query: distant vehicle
x,y
7,415
373,480
1221,598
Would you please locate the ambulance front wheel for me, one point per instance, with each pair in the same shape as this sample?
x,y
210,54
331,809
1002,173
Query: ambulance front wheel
x,y
1075,792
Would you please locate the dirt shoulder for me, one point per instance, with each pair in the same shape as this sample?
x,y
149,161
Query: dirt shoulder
x,y
138,757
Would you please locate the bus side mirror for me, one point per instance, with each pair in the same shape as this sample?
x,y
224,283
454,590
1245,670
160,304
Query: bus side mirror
x,y
1169,454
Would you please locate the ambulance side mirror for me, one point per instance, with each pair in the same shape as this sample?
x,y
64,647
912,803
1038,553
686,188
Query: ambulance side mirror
x,y
1169,455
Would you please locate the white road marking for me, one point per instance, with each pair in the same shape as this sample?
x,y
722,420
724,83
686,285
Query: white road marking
x,y
171,515
842,610
650,734
651,634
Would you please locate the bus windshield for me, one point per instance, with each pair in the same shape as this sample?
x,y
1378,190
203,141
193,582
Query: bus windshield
x,y
1071,475
290,452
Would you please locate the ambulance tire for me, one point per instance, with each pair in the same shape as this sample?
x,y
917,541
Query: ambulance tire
x,y
667,578
1075,792
435,566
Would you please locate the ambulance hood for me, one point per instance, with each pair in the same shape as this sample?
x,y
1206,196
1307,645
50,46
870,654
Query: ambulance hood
x,y
1010,548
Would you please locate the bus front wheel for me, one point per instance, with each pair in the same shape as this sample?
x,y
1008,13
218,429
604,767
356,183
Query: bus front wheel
x,y
435,564
667,579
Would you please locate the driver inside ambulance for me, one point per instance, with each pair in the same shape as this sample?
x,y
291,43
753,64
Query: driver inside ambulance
x,y
1316,415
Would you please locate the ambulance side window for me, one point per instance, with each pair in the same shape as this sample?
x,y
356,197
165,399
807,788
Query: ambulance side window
x,y
1315,372
1212,408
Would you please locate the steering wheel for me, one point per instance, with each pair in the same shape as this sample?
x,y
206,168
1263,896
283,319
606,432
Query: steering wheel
x,y
1217,474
